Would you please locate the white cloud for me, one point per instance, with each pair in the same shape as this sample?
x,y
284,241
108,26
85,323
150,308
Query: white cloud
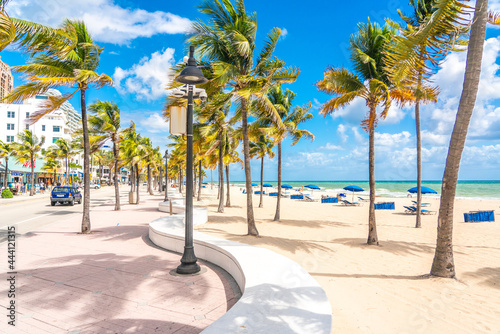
x,y
341,129
284,33
439,119
392,140
311,159
147,79
107,21
154,123
330,147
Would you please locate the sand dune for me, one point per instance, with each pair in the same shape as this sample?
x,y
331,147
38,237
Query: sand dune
x,y
385,288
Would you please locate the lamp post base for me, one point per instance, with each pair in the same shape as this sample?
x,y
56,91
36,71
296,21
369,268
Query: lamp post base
x,y
188,262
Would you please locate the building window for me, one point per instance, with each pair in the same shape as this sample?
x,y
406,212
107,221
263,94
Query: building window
x,y
27,114
54,139
56,128
11,114
43,127
10,139
10,126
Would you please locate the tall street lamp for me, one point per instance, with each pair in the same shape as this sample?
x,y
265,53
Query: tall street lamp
x,y
166,175
191,75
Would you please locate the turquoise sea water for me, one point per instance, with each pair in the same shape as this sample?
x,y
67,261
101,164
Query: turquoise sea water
x,y
465,189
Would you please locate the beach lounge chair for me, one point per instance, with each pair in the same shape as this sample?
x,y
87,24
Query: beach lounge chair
x,y
310,198
410,209
422,211
364,199
347,203
421,204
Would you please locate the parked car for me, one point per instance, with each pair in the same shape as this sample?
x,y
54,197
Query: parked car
x,y
64,194
95,186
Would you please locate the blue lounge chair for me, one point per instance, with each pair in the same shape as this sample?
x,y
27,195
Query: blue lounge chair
x,y
347,203
421,204
364,199
410,209
422,211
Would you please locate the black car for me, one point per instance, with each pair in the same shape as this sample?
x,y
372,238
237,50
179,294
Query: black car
x,y
64,194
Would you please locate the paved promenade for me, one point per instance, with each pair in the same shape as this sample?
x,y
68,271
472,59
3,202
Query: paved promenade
x,y
110,281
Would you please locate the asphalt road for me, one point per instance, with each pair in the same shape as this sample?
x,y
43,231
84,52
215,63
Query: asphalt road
x,y
31,214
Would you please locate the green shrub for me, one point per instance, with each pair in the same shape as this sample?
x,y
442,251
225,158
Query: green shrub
x,y
6,193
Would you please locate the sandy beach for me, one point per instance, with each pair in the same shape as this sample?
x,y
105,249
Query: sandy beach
x,y
385,288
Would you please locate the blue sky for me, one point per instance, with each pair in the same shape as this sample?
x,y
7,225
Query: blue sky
x,y
142,40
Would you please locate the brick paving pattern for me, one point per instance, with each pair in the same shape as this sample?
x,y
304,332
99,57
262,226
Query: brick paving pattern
x,y
111,281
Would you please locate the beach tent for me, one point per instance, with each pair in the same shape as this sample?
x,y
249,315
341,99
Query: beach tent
x,y
353,189
423,190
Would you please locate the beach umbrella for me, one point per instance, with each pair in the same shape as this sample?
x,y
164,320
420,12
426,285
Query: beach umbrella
x,y
312,187
286,186
267,185
254,185
353,189
205,183
423,190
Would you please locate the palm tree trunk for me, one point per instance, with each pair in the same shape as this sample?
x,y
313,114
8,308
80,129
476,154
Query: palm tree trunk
x,y
101,169
117,188
252,228
137,179
86,166
221,176
32,176
261,204
6,171
443,264
277,215
67,171
372,226
132,178
228,199
194,180
150,176
180,181
200,180
418,222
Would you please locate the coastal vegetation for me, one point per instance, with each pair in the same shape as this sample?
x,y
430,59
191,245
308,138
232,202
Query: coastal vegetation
x,y
250,107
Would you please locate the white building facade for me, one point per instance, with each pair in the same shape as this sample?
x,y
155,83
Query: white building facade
x,y
61,123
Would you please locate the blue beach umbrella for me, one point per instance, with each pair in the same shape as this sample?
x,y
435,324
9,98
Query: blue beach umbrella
x,y
312,186
205,183
254,185
353,189
267,185
286,186
423,190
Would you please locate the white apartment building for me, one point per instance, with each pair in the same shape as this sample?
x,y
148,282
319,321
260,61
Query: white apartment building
x,y
60,123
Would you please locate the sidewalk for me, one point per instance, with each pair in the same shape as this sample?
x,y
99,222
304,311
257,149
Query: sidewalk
x,y
113,280
24,197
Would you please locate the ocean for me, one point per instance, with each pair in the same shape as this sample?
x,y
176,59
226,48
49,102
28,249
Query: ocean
x,y
465,189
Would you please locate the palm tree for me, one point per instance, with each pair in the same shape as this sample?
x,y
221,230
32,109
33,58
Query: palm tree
x,y
27,150
290,119
105,125
52,165
62,149
76,69
229,44
428,56
370,83
443,264
261,148
6,151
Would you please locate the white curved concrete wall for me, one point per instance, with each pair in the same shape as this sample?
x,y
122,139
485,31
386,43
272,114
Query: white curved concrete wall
x,y
279,296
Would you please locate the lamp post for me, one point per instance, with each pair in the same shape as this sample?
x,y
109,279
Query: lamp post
x,y
166,175
191,75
